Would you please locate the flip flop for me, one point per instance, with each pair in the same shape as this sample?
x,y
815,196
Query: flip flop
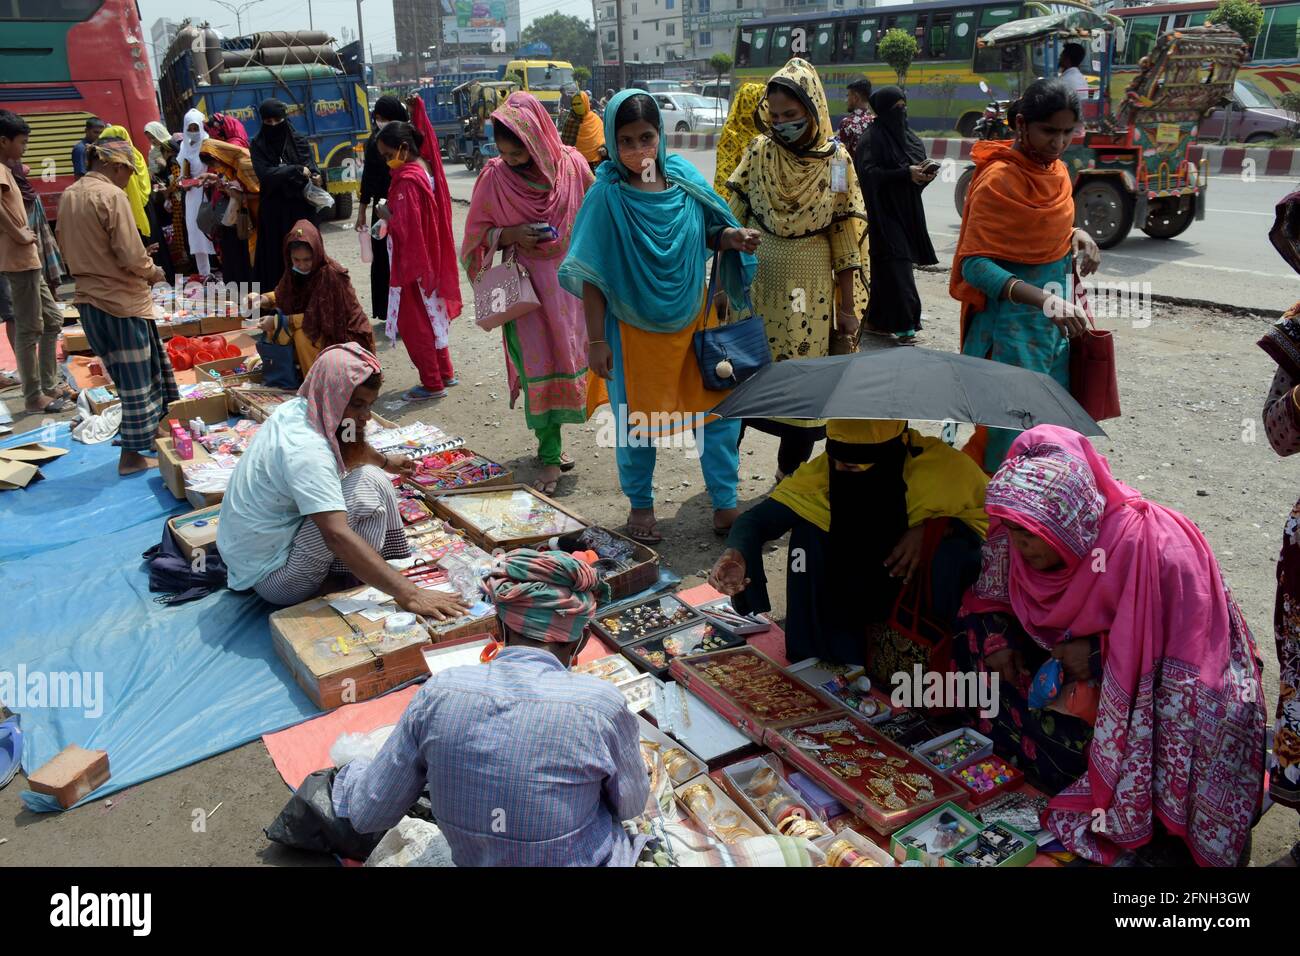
x,y
422,394
567,463
57,405
449,382
11,749
643,535
9,381
546,487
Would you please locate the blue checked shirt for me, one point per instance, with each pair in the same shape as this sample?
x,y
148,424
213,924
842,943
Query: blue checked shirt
x,y
527,764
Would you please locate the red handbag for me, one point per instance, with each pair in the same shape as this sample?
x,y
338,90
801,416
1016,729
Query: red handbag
x,y
1094,381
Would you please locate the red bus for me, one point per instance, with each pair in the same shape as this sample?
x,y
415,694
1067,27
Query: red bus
x,y
64,61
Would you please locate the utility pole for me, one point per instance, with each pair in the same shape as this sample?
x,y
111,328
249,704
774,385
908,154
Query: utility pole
x,y
622,61
437,21
311,23
600,46
361,37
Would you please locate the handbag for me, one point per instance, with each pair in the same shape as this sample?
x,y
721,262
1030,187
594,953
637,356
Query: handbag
x,y
1094,382
503,292
279,366
729,354
210,215
910,635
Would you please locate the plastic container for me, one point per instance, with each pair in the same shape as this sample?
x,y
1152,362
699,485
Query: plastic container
x,y
367,250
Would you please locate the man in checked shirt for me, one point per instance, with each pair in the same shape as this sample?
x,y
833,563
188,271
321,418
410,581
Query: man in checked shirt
x,y
527,764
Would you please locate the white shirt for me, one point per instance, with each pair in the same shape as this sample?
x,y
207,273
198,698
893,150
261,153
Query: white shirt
x,y
1077,81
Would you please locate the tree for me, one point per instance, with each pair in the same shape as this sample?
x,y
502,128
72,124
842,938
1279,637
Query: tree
x,y
1243,16
582,76
898,48
570,38
720,63
945,88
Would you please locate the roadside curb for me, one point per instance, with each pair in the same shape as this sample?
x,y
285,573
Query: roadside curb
x,y
1261,161
692,140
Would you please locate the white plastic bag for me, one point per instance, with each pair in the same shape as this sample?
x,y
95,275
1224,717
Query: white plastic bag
x,y
350,746
412,843
318,197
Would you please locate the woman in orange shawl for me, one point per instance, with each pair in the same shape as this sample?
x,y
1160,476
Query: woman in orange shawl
x,y
1013,269
584,131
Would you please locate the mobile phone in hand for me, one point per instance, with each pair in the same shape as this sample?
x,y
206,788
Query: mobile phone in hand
x,y
931,166
545,231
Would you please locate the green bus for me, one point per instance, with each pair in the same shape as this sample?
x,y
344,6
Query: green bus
x,y
942,82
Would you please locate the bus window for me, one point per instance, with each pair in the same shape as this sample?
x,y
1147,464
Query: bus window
x,y
780,46
864,51
939,36
823,43
1140,39
1007,58
1280,42
900,21
49,9
963,35
1197,19
743,38
758,49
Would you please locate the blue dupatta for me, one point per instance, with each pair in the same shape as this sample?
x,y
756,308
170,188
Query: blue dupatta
x,y
646,251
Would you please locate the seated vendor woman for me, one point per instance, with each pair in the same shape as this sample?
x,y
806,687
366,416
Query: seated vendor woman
x,y
881,504
526,763
310,499
1128,678
315,295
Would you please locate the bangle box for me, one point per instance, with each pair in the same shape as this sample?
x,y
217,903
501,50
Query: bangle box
x,y
506,516
838,683
996,844
749,690
637,688
655,654
715,812
827,807
954,750
987,779
874,778
758,787
721,613
930,838
643,620
860,850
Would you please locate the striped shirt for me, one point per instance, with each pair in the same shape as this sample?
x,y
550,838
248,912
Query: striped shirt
x,y
527,764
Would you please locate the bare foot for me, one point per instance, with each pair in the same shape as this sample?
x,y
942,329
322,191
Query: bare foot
x,y
723,519
42,403
133,461
642,527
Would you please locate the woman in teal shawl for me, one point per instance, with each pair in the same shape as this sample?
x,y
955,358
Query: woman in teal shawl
x,y
637,260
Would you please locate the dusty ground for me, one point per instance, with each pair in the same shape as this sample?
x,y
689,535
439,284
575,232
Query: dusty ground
x,y
1191,385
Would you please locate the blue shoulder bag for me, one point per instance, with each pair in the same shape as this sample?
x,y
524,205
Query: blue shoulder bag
x,y
729,354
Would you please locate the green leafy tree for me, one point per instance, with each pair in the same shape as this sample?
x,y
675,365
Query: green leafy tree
x,y
945,88
898,48
582,76
1243,16
570,38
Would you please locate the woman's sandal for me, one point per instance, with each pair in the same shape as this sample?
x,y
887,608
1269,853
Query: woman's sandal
x,y
422,394
545,487
567,462
643,534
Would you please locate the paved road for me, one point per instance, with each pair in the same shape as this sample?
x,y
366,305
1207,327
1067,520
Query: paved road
x,y
1226,258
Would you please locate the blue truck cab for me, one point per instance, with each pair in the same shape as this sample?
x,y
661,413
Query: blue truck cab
x,y
327,103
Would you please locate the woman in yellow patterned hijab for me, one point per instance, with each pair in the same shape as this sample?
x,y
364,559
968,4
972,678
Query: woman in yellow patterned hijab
x,y
740,128
800,188
140,188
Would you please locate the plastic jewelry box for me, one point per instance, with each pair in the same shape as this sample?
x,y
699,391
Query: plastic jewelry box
x,y
720,813
816,675
926,750
637,688
750,713
1021,857
738,778
980,797
754,624
609,622
818,798
684,717
855,792
689,635
686,766
860,843
923,830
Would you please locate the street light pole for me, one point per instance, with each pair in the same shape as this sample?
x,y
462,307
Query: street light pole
x,y
238,11
361,36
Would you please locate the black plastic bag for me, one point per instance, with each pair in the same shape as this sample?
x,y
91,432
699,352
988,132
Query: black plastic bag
x,y
308,822
180,576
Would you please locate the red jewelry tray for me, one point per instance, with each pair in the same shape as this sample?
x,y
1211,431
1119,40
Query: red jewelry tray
x,y
854,792
747,711
978,799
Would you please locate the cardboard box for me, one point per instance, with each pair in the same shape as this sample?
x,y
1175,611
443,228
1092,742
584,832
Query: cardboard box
x,y
918,840
211,409
213,324
74,339
196,529
172,467
71,775
187,327
21,465
203,371
101,399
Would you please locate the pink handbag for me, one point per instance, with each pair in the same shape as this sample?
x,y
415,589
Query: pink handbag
x,y
502,293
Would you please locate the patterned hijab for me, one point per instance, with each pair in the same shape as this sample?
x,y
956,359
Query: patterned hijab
x,y
787,188
140,187
740,128
1052,494
328,389
325,298
544,596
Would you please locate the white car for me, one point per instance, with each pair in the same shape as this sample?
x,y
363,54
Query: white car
x,y
688,113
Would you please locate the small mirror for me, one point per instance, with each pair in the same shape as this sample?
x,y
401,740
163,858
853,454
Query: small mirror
x,y
984,87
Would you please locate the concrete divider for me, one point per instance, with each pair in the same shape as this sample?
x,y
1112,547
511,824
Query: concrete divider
x,y
1222,160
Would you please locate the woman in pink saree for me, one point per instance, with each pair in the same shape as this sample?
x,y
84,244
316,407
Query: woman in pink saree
x,y
1125,597
536,180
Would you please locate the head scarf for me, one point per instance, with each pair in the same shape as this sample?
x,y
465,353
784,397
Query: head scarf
x,y
645,251
503,198
190,149
583,129
1016,211
228,129
140,187
275,136
158,133
272,109
895,212
544,596
893,144
939,482
112,149
1176,732
328,389
389,108
330,311
448,278
741,127
1282,341
788,189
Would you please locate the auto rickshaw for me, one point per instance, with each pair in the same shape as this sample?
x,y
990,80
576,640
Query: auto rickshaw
x,y
1131,164
474,145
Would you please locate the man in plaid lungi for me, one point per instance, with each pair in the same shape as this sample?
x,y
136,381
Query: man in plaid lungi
x,y
114,272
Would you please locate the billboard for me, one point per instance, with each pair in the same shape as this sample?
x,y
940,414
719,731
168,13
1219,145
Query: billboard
x,y
481,21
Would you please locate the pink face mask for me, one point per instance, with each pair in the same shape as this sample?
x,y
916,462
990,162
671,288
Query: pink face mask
x,y
636,159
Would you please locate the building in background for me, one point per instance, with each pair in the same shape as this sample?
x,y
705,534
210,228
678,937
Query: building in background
x,y
652,30
161,35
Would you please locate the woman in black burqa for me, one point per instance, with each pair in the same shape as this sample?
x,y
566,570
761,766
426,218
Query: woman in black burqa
x,y
891,168
284,165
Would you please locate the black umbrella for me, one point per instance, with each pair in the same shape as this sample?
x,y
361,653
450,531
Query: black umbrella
x,y
911,383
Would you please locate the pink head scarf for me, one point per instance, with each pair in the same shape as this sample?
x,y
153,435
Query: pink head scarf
x,y
328,388
443,253
1177,733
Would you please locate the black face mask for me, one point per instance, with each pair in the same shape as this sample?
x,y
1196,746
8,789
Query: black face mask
x,y
523,168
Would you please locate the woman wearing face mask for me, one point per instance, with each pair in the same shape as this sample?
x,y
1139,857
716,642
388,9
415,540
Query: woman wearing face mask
x,y
374,187
166,208
230,173
1018,250
536,179
892,167
424,282
192,167
800,188
283,164
638,259
316,296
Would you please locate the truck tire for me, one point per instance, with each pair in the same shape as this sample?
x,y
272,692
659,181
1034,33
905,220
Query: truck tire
x,y
342,206
1170,217
1103,210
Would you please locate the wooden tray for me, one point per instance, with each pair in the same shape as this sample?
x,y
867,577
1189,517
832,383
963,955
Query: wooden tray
x,y
444,507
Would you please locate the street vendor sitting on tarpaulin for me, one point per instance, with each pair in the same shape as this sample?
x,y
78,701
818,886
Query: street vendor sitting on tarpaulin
x,y
310,460
526,763
880,504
